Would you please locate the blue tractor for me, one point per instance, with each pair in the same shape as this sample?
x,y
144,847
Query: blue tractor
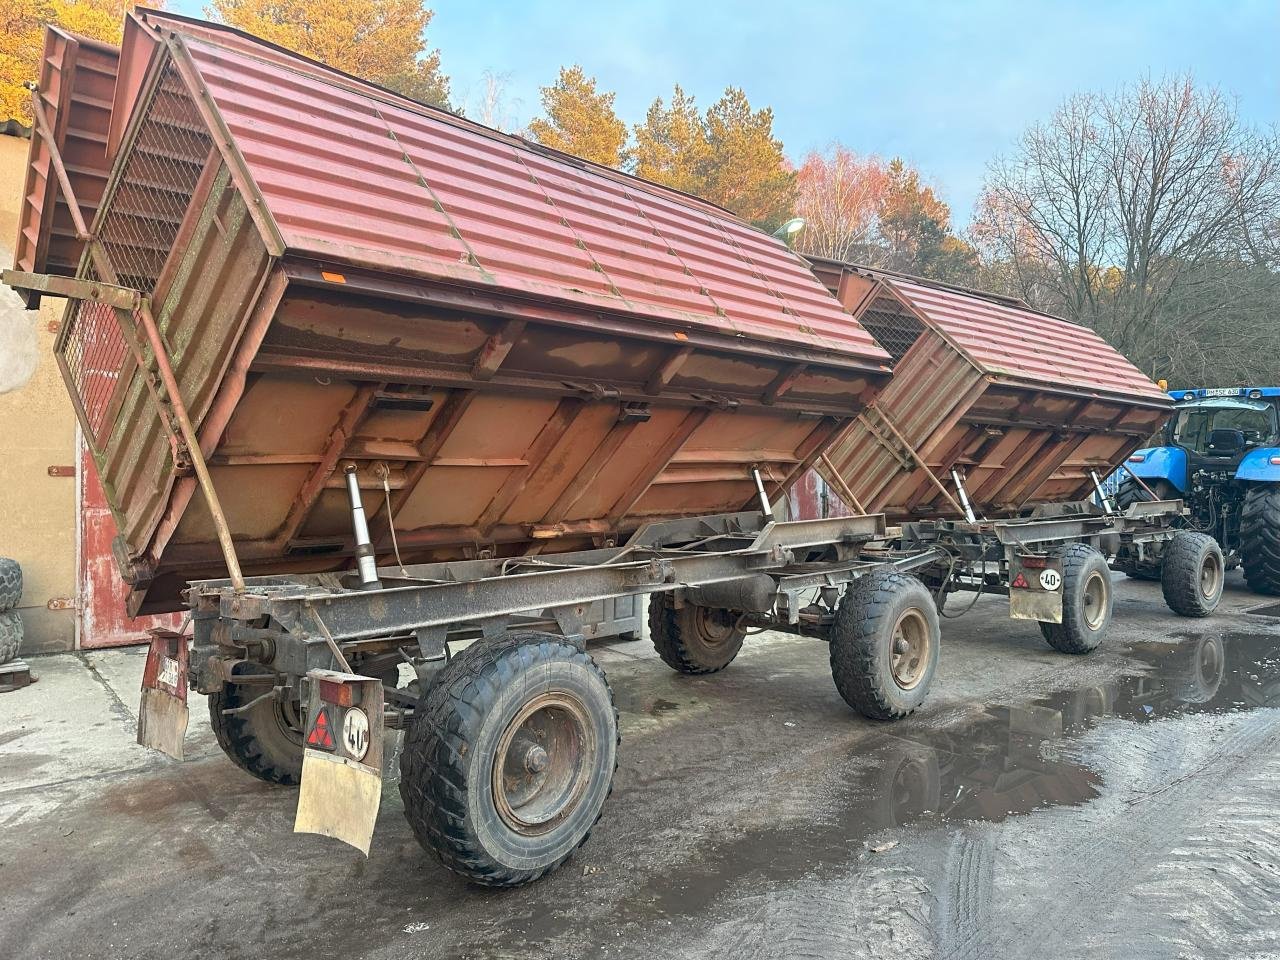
x,y
1219,454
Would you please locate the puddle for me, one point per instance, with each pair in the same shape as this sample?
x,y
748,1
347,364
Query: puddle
x,y
1006,762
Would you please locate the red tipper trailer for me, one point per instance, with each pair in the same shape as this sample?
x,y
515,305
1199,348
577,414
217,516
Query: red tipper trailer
x,y
521,352
441,388
1023,405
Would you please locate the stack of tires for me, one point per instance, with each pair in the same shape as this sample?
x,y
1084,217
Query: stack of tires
x,y
10,619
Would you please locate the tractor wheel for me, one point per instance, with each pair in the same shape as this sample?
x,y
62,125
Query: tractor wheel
x,y
1087,601
884,644
1192,574
266,740
1129,492
508,764
1260,538
693,639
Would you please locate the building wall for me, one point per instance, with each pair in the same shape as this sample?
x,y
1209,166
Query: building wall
x,y
37,431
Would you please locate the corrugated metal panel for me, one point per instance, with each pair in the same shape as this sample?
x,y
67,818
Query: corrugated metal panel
x,y
1016,342
352,175
77,77
1022,424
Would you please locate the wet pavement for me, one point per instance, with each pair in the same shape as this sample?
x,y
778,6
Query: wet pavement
x,y
1122,804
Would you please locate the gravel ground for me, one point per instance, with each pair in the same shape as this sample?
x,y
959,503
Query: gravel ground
x,y
1116,805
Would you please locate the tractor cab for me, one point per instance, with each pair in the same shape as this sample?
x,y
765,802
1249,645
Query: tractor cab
x,y
1218,431
1220,453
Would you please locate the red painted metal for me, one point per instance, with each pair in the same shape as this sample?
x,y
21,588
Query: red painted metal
x,y
1022,404
532,353
101,593
349,173
1017,343
77,76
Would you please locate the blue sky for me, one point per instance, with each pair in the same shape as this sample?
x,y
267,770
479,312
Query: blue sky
x,y
947,86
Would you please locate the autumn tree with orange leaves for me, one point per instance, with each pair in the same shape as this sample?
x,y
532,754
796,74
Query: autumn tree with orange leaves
x,y
383,41
862,209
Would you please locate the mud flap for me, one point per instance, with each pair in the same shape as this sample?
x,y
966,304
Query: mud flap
x,y
342,760
163,714
1035,587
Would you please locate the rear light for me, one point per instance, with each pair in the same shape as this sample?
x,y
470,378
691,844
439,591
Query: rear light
x,y
1034,563
1138,458
1275,461
342,694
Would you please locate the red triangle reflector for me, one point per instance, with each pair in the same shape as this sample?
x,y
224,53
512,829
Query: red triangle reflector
x,y
320,735
1019,581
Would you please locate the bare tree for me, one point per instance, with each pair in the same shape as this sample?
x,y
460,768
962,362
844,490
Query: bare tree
x,y
1149,214
491,105
839,194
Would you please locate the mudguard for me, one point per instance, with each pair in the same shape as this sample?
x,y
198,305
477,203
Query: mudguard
x,y
1262,464
1160,463
342,761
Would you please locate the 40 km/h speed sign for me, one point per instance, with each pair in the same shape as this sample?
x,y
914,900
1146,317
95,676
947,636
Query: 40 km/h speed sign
x,y
1050,579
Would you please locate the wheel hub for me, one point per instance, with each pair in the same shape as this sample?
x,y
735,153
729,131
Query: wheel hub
x,y
1211,576
1095,601
911,648
543,763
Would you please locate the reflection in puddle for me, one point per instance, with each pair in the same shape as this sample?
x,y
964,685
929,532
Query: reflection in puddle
x,y
1005,762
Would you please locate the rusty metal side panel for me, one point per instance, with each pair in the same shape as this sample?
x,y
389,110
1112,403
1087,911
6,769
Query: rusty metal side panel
x,y
77,77
930,389
205,292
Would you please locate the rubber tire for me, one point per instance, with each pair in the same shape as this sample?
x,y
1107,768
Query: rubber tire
x,y
1260,538
449,750
10,583
1130,492
1073,635
1184,559
10,634
859,641
681,641
255,741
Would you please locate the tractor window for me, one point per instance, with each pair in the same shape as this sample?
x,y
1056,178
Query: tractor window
x,y
1191,428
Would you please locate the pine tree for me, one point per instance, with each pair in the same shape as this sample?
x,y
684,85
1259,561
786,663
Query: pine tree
x,y
580,120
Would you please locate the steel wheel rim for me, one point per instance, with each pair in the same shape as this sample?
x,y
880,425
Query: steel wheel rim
x,y
1094,600
910,646
715,627
543,763
1211,576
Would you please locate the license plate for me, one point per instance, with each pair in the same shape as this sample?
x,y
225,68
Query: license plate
x,y
1222,392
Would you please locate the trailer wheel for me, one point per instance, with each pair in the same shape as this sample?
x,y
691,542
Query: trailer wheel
x,y
884,644
1192,574
1087,601
693,639
1260,538
266,740
508,764
1129,492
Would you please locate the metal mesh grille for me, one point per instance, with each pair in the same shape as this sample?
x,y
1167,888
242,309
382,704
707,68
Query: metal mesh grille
x,y
138,228
894,331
